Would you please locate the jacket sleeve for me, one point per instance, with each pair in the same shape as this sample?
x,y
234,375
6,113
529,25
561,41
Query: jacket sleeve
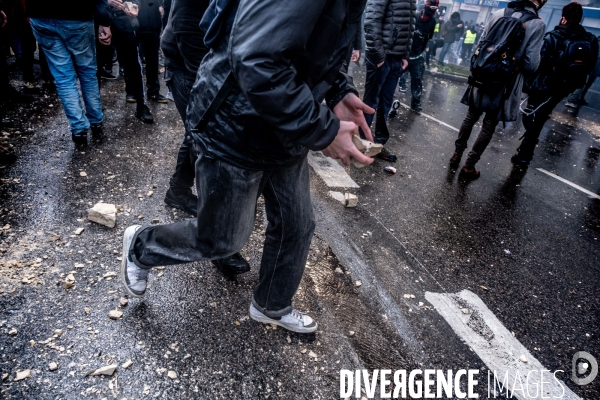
x,y
531,57
411,27
373,29
266,35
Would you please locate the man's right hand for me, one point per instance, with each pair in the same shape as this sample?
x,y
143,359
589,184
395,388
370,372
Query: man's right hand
x,y
104,35
3,19
342,147
118,4
380,64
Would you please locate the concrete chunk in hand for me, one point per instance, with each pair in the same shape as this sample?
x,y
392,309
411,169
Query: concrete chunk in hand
x,y
369,149
103,214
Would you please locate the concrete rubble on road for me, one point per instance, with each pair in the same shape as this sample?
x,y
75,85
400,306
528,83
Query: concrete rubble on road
x,y
103,214
369,149
52,366
23,374
115,314
106,370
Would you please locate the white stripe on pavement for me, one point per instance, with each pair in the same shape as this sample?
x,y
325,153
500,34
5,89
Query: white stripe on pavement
x,y
433,118
470,319
332,173
591,194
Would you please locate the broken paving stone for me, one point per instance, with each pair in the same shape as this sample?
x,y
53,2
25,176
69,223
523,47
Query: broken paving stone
x,y
409,296
312,354
338,270
115,314
86,310
483,287
79,231
79,265
421,304
339,196
107,370
4,376
150,193
172,374
369,149
53,238
126,364
303,351
82,173
465,311
111,274
13,332
103,214
52,366
124,301
155,221
23,374
350,200
351,333
358,283
523,359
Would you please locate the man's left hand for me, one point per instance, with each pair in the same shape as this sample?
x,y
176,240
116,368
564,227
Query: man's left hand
x,y
352,109
355,55
104,35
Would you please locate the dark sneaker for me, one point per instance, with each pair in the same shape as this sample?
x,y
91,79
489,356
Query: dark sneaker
x,y
394,111
232,265
416,106
134,278
402,87
469,173
130,98
79,137
184,201
159,98
519,161
455,160
386,156
96,128
571,104
295,321
143,112
107,74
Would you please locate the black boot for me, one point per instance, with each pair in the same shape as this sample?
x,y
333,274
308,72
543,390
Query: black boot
x,y
143,112
415,105
232,265
182,199
524,153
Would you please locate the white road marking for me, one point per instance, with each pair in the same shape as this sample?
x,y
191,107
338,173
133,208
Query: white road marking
x,y
591,194
470,319
332,173
433,118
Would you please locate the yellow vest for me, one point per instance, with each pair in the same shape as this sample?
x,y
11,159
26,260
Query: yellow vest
x,y
470,37
437,28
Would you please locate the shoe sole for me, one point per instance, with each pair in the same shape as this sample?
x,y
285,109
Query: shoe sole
x,y
124,267
160,101
267,320
131,100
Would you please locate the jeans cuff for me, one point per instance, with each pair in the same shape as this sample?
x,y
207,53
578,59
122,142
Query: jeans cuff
x,y
131,250
271,313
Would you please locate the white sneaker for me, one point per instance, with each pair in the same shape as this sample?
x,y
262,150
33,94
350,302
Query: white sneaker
x,y
294,321
133,277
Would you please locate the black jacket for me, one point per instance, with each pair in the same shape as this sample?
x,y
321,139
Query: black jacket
x,y
543,80
423,32
74,10
182,40
285,60
389,27
149,16
450,30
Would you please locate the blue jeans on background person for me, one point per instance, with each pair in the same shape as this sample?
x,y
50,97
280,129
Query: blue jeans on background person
x,y
445,50
227,198
380,87
70,49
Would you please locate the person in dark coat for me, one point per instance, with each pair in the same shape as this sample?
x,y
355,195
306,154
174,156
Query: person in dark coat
x,y
389,27
269,89
451,31
183,47
148,36
416,62
550,84
577,98
497,105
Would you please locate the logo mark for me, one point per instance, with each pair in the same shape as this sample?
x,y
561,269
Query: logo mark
x,y
590,364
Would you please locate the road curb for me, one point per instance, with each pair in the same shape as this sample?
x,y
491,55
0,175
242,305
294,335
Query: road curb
x,y
451,77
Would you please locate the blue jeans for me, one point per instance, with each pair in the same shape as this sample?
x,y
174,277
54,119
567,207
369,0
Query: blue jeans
x,y
445,49
380,87
227,198
70,49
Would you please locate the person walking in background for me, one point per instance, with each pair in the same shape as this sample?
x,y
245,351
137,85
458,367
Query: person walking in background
x,y
389,27
451,31
183,46
577,98
468,43
568,55
66,35
416,64
499,96
124,23
148,36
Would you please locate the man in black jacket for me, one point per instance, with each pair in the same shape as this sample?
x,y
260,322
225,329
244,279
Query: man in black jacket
x,y
255,110
183,46
148,35
389,27
452,30
416,63
554,79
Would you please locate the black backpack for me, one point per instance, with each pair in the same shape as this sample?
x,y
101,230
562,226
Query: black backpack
x,y
494,61
574,62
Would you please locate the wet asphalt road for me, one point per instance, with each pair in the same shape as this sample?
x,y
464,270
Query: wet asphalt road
x,y
425,231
